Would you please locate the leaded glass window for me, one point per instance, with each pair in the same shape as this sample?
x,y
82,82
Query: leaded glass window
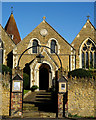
x,y
91,60
53,46
86,59
1,52
94,59
88,50
88,42
34,49
83,66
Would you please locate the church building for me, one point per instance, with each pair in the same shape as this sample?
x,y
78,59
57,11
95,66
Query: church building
x,y
81,53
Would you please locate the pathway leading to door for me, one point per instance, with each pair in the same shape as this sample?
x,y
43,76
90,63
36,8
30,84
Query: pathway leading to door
x,y
39,105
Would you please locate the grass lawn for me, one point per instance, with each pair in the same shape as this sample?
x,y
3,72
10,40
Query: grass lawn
x,y
25,91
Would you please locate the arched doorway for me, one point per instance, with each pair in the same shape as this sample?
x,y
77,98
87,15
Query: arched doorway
x,y
44,76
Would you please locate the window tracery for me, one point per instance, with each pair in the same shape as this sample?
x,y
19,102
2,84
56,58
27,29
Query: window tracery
x,y
88,55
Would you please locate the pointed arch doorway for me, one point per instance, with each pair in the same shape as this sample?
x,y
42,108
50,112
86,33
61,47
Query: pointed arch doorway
x,y
44,76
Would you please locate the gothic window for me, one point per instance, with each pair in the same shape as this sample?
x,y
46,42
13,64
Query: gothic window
x,y
1,52
91,60
95,60
83,64
86,59
88,50
35,48
88,42
53,46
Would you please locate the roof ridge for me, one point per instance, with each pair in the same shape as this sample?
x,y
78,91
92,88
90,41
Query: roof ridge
x,y
60,35
7,34
82,28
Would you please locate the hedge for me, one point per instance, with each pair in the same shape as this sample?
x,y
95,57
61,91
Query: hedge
x,y
6,69
80,73
26,81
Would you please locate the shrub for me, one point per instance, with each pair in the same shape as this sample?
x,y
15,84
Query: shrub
x,y
34,87
80,73
26,81
6,69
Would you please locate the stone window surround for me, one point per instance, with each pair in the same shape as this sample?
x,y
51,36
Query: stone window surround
x,y
80,51
35,50
49,45
31,43
3,52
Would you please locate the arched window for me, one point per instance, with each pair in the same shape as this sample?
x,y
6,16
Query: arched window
x,y
35,49
1,52
53,46
87,52
95,60
91,60
87,60
83,64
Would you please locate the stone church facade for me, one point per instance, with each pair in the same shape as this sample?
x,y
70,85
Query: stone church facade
x,y
81,53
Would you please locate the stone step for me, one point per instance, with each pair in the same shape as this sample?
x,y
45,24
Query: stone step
x,y
43,93
41,101
39,115
43,97
27,104
30,107
34,95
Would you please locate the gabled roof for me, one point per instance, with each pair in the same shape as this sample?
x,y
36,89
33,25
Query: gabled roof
x,y
59,35
35,33
11,29
63,79
87,31
17,77
6,33
7,41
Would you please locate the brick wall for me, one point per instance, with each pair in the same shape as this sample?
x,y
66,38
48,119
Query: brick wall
x,y
81,97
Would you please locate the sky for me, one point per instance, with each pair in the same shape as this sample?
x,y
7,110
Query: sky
x,y
67,18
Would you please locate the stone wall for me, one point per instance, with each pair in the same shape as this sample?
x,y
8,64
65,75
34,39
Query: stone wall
x,y
5,95
81,97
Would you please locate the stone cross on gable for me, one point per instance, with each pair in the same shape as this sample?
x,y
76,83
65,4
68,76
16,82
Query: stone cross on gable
x,y
44,18
11,10
88,17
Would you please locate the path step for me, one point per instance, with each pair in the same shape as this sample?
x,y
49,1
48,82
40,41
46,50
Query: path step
x,y
38,104
29,107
